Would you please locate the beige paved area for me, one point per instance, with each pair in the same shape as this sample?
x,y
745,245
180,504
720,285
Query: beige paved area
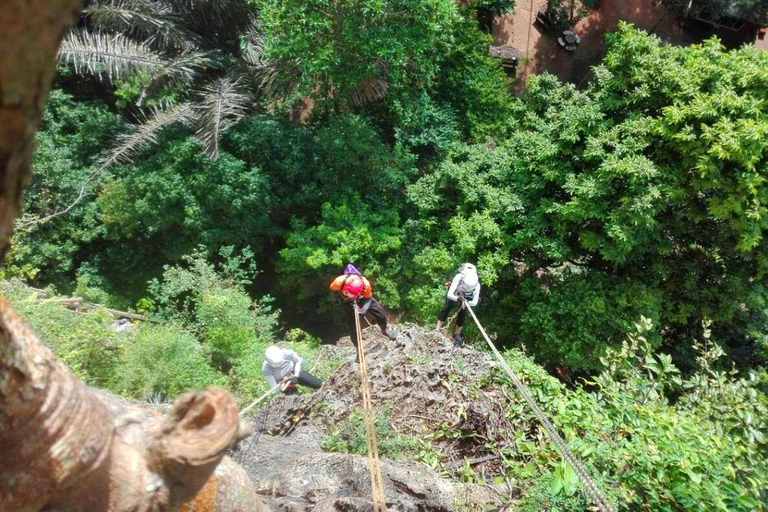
x,y
539,50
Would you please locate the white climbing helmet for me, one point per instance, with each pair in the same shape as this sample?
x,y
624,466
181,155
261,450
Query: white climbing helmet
x,y
469,277
274,356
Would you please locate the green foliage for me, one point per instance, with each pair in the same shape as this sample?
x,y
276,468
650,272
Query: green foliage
x,y
164,361
640,195
424,126
148,360
65,175
347,232
211,300
349,437
474,85
569,315
706,451
488,10
174,63
164,206
353,51
84,342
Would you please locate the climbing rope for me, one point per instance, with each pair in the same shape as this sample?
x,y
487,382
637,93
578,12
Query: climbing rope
x,y
259,400
374,465
567,454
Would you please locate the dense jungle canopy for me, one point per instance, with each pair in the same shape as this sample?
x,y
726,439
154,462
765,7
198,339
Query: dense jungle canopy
x,y
215,164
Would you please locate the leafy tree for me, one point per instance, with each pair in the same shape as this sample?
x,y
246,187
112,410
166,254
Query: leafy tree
x,y
60,214
755,11
649,183
349,52
488,10
347,232
474,85
566,13
162,207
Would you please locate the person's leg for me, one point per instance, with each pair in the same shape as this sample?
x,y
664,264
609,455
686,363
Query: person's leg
x,y
309,380
460,318
379,315
442,316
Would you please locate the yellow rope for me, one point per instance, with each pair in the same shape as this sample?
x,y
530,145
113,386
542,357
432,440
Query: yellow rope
x,y
374,465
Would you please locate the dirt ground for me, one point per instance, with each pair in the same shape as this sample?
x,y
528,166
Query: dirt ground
x,y
540,52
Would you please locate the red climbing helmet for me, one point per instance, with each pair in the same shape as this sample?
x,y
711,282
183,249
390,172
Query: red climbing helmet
x,y
354,285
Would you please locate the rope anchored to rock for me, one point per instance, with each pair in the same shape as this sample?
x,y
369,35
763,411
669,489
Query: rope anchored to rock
x,y
374,465
576,464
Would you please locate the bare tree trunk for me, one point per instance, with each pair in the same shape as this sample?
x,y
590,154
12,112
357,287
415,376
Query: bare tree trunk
x,y
30,33
63,446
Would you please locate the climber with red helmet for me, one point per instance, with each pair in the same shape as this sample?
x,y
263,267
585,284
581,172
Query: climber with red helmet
x,y
356,289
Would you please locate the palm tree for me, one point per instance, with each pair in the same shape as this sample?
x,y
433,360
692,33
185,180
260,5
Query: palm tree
x,y
196,62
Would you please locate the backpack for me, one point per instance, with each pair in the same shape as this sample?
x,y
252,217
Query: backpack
x,y
350,269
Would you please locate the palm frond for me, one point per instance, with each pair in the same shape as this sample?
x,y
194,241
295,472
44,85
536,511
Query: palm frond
x,y
178,70
152,21
220,106
252,46
146,133
278,79
371,89
114,56
217,19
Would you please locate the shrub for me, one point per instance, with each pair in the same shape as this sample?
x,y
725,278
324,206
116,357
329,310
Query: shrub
x,y
349,437
165,360
707,451
85,342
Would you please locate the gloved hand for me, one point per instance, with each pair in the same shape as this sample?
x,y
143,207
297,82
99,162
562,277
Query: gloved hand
x,y
294,380
461,299
363,310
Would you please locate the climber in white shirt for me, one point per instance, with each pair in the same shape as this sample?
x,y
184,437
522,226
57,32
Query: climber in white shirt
x,y
465,286
283,365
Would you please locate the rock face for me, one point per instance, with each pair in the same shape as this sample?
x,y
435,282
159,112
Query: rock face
x,y
293,474
425,383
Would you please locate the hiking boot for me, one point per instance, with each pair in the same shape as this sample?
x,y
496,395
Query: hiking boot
x,y
389,333
458,339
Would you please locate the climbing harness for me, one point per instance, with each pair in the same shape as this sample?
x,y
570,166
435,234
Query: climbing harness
x,y
374,465
589,484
